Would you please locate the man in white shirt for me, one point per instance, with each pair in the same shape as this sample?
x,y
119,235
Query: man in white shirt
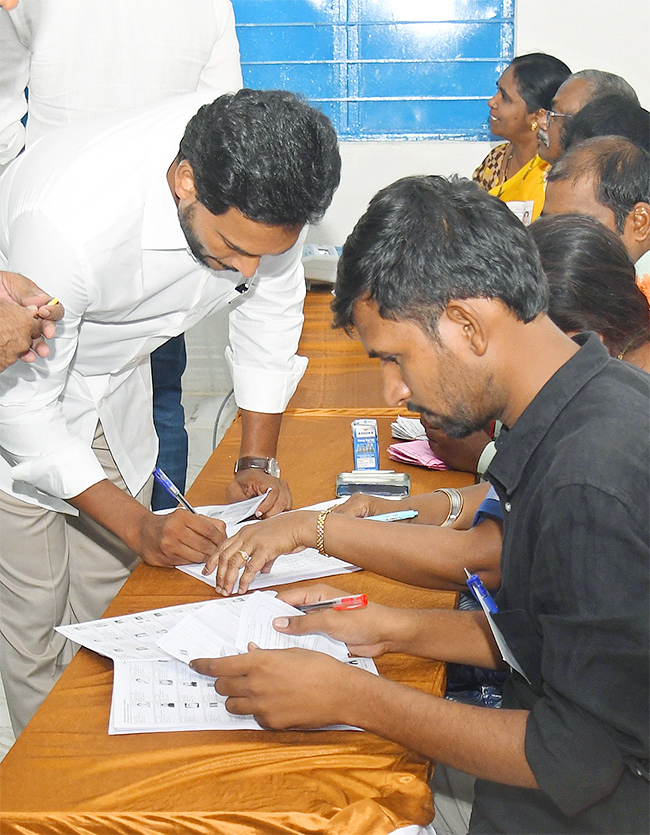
x,y
80,59
114,206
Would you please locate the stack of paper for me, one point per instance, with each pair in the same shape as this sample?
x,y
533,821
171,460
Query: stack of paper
x,y
416,452
153,687
407,429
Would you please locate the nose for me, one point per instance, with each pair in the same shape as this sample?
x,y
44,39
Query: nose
x,y
246,264
492,102
396,391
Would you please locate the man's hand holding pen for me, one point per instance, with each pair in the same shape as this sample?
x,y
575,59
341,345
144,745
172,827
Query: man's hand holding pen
x,y
178,538
263,682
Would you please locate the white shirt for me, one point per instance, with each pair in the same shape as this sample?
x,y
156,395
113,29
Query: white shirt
x,y
87,213
80,58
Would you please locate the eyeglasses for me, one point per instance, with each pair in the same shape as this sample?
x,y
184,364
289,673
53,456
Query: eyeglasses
x,y
553,114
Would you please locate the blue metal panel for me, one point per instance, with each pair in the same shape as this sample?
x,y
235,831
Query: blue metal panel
x,y
426,10
429,40
286,43
382,68
288,11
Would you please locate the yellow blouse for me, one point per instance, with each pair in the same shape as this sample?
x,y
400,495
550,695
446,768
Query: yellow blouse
x,y
525,190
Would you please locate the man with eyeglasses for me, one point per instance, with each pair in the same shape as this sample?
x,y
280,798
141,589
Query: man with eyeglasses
x,y
577,91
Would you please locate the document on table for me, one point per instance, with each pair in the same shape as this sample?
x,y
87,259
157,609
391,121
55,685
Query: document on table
x,y
307,564
155,690
230,514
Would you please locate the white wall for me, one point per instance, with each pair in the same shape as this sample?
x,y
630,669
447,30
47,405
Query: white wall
x,y
611,35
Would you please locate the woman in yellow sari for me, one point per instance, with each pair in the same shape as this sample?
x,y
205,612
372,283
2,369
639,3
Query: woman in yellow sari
x,y
513,171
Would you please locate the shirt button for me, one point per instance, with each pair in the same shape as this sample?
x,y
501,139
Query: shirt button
x,y
508,507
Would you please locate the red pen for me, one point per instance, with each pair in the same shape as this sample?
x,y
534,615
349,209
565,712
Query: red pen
x,y
355,601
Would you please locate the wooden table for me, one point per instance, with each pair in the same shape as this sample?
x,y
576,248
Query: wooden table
x,y
66,775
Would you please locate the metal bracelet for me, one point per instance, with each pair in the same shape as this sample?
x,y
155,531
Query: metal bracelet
x,y
456,503
320,531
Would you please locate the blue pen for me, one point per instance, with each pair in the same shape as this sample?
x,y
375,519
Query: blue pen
x,y
172,489
480,592
394,516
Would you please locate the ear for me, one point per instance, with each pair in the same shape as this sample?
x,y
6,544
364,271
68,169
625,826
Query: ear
x,y
536,118
184,184
641,222
467,324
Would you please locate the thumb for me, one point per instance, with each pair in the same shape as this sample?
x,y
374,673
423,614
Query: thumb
x,y
299,625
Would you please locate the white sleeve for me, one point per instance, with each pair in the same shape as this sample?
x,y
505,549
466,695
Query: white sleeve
x,y
34,434
265,328
14,75
222,72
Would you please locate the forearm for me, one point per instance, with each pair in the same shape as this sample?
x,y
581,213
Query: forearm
x,y
260,434
114,510
486,743
422,555
433,508
458,637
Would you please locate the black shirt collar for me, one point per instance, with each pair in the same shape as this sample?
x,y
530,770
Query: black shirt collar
x,y
516,445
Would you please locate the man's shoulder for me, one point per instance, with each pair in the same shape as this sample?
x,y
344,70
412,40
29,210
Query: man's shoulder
x,y
602,437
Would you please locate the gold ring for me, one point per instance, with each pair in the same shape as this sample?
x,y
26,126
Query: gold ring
x,y
246,556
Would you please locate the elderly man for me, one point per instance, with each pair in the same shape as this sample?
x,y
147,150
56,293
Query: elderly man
x,y
445,288
607,177
579,89
141,240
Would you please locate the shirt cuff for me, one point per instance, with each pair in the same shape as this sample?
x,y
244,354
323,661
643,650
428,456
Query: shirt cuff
x,y
63,473
262,389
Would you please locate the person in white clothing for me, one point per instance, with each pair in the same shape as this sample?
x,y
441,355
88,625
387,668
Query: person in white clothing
x,y
140,241
81,58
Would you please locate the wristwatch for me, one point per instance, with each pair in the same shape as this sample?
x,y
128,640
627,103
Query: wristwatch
x,y
250,462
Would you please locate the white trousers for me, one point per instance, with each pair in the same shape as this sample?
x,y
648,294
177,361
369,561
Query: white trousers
x,y
55,569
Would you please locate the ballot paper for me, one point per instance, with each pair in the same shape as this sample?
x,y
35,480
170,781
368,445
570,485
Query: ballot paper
x,y
230,514
307,564
153,687
407,429
416,452
165,695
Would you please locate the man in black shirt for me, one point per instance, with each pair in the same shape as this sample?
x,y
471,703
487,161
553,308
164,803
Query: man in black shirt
x,y
445,287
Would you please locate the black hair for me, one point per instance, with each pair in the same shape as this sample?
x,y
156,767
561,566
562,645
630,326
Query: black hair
x,y
265,152
612,115
620,171
538,76
591,281
427,240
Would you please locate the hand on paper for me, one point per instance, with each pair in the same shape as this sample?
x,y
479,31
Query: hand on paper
x,y
254,482
284,688
366,631
178,538
258,546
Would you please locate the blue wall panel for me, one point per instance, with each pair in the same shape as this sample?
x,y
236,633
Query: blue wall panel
x,y
382,68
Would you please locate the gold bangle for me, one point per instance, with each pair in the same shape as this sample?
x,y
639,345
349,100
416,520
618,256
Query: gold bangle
x,y
320,531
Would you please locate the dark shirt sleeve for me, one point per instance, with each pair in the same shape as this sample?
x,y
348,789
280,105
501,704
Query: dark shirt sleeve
x,y
590,596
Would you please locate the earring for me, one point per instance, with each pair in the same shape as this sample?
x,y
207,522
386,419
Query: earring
x,y
534,126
